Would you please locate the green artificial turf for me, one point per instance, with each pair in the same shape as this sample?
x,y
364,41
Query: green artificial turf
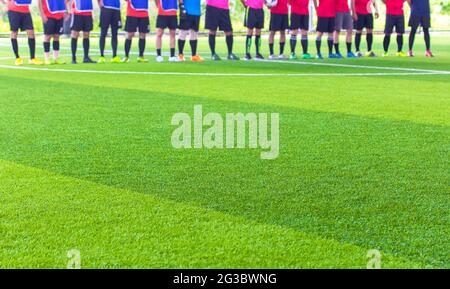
x,y
87,163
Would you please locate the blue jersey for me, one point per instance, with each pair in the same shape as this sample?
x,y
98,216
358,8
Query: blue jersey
x,y
112,4
420,8
193,7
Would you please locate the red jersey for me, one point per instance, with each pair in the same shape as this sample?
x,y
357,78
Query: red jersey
x,y
362,6
49,14
394,7
76,12
12,6
300,7
326,9
135,13
280,8
342,6
163,12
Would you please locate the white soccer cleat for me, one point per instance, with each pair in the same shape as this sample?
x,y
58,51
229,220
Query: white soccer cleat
x,y
174,59
159,58
282,57
272,57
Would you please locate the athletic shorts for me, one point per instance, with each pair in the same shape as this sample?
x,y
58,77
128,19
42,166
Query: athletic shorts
x,y
110,18
278,22
217,18
415,21
254,18
299,21
20,21
190,22
343,21
326,24
395,21
54,26
364,21
82,23
167,21
134,24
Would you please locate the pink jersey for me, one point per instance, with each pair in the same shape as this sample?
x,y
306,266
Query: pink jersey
x,y
222,4
394,7
342,6
362,6
326,9
280,8
255,4
300,7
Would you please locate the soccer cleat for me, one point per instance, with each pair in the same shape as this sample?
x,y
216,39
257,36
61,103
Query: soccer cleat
x,y
332,55
159,58
410,53
307,56
174,59
385,54
339,55
258,56
18,62
281,57
351,55
74,61
35,61
58,62
401,54
102,59
232,56
181,57
247,57
215,57
87,59
371,54
125,60
115,59
197,58
141,59
319,56
272,57
47,61
293,56
428,53
359,54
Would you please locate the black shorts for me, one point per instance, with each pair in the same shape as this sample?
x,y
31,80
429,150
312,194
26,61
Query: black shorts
x,y
415,21
397,21
82,23
325,24
278,22
20,21
254,18
364,21
54,26
134,24
110,18
299,21
216,18
167,21
190,22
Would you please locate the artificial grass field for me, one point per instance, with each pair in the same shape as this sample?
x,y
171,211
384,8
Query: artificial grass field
x,y
86,163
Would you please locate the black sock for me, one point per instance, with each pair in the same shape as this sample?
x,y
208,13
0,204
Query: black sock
x,y
248,44
330,45
349,47
271,48
158,51
114,41
212,43
282,47
336,47
293,43
412,36
358,41
426,36
15,47
193,44
318,45
46,47
386,42
86,45
127,47
369,38
400,42
257,43
305,44
229,40
73,44
32,46
181,43
102,43
172,52
55,45
141,47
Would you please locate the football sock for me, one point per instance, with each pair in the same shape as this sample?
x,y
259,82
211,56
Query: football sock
x,y
181,43
141,47
271,48
336,47
212,43
369,39
86,47
15,47
102,42
349,47
386,42
426,36
193,44
32,46
400,42
305,44
293,43
248,44
46,47
114,41
318,44
158,51
282,47
73,44
172,52
358,41
127,47
330,45
412,36
257,43
55,49
229,40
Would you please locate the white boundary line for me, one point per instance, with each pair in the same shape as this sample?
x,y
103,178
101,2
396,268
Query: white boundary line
x,y
214,74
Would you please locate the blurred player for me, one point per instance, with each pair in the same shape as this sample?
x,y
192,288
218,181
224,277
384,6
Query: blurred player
x,y
326,14
137,21
109,17
279,21
299,21
189,23
344,20
363,17
395,18
254,21
420,16
167,18
81,22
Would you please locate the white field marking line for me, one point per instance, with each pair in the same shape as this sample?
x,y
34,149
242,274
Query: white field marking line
x,y
213,74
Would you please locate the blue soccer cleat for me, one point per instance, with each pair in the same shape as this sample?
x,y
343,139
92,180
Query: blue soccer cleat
x,y
351,55
331,55
319,56
338,55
